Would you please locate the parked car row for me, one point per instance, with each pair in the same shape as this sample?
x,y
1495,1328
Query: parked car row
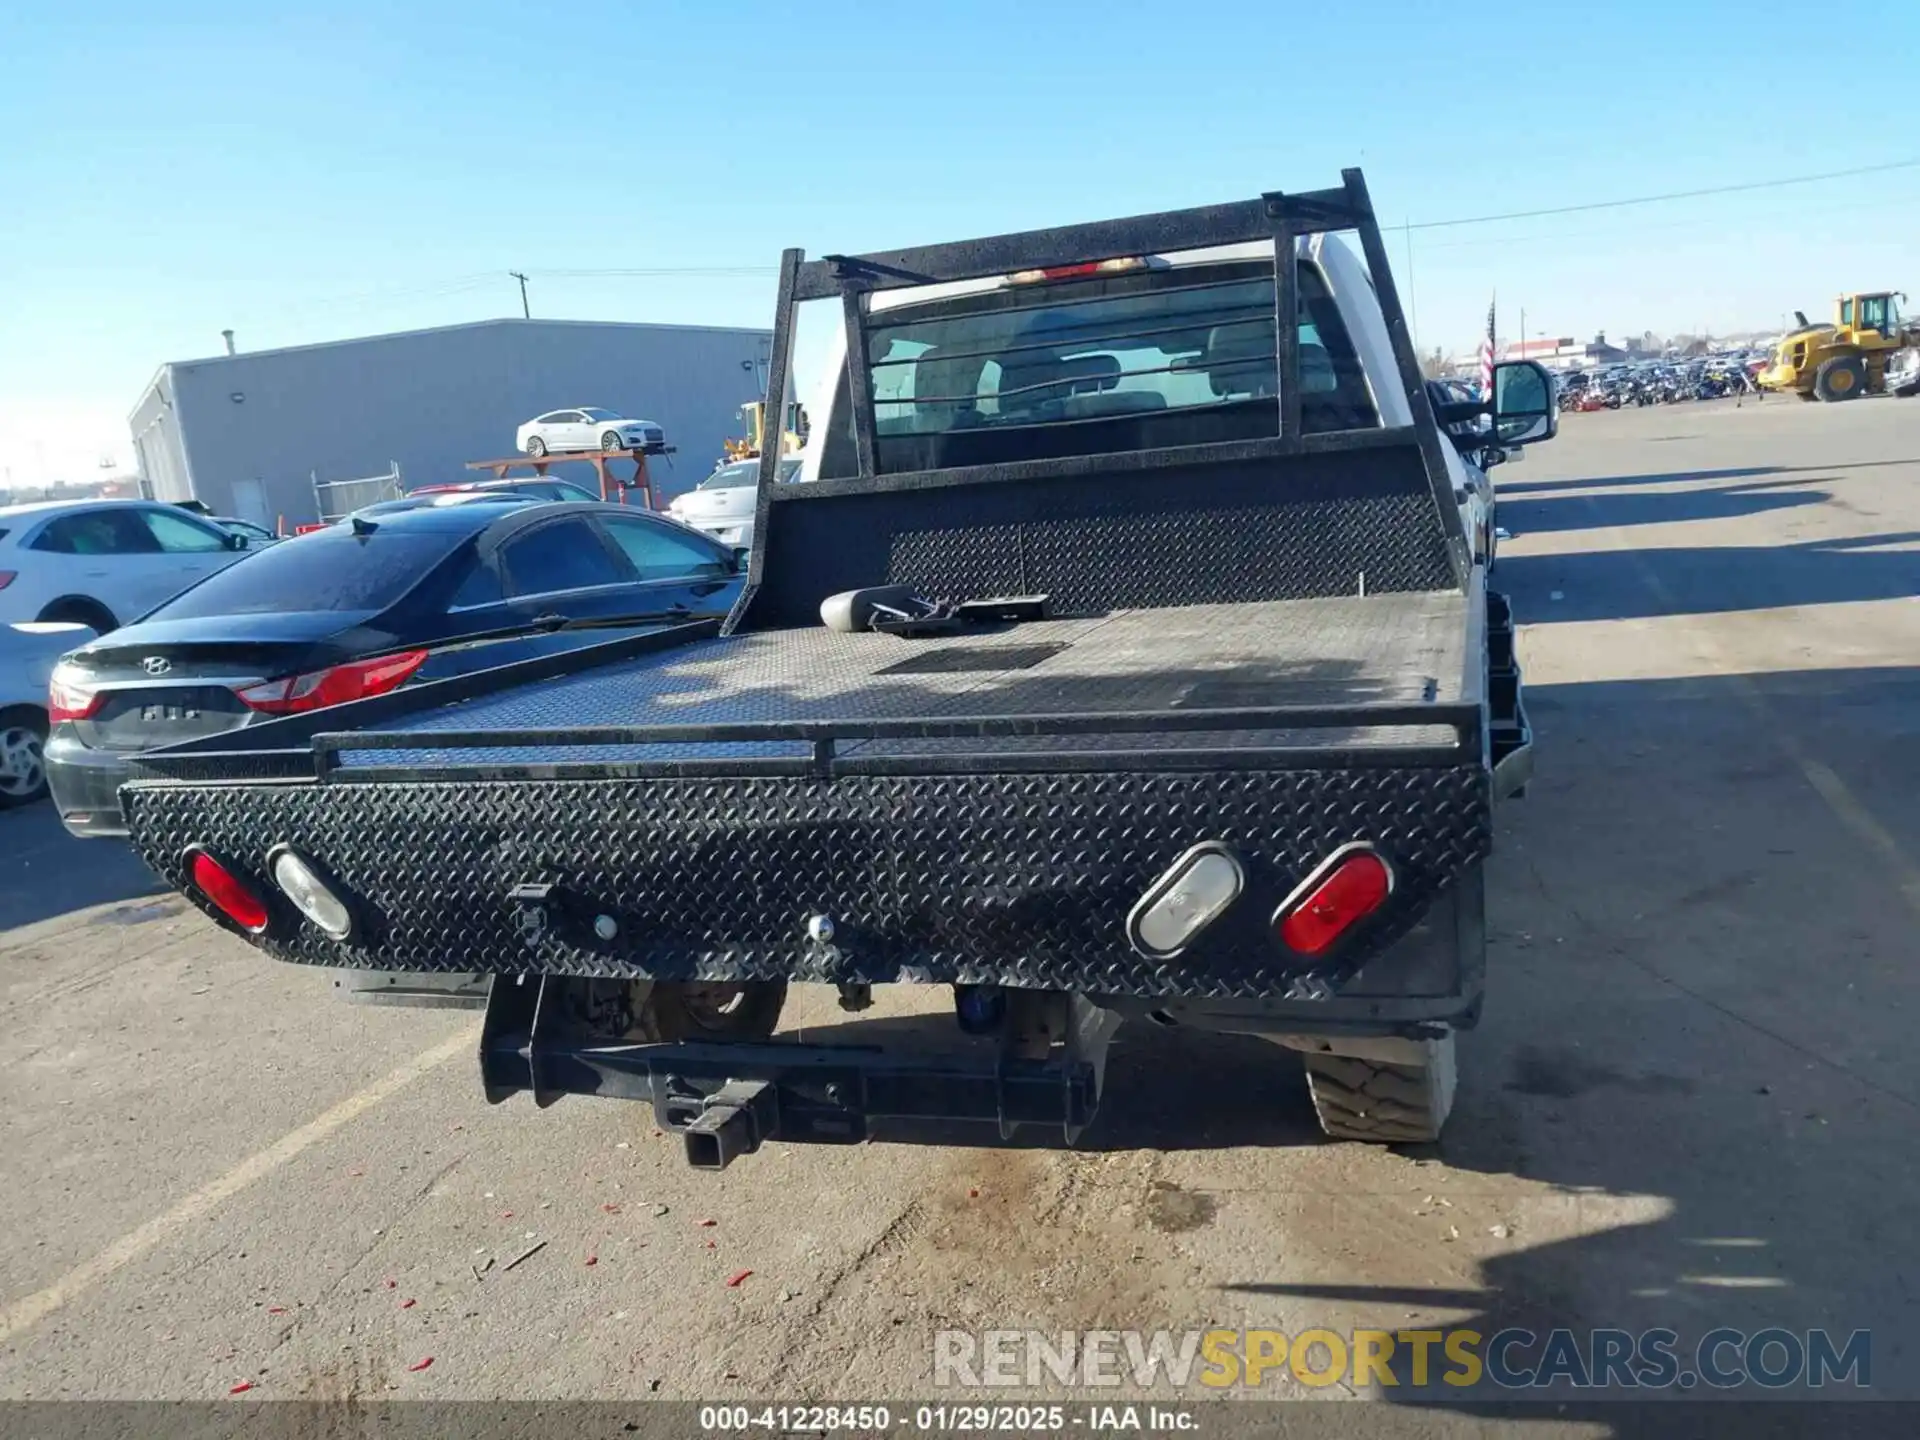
x,y
1662,382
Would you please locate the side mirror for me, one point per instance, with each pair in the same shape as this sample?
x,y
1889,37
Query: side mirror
x,y
741,554
1525,410
236,542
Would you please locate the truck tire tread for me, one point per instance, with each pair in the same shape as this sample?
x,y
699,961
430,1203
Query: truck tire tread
x,y
1374,1101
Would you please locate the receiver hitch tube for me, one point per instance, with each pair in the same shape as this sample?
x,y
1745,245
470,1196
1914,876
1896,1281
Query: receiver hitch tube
x,y
728,1098
732,1122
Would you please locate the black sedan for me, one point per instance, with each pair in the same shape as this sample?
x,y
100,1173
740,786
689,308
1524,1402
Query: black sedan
x,y
361,608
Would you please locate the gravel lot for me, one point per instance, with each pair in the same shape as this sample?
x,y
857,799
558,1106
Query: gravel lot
x,y
1690,1104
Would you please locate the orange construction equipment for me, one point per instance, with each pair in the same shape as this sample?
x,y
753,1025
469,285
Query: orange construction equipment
x,y
612,487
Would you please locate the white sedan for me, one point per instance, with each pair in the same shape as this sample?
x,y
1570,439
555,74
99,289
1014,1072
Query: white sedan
x,y
723,503
104,562
587,428
28,653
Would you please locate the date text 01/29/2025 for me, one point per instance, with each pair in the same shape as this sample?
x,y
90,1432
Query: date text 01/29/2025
x,y
944,1419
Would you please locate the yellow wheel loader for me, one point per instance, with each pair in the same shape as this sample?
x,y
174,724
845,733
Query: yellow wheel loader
x,y
1843,360
753,419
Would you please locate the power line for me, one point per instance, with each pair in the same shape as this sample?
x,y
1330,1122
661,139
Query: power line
x,y
653,272
1670,195
1898,205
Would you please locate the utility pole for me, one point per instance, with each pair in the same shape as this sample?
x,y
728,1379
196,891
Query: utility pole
x,y
525,313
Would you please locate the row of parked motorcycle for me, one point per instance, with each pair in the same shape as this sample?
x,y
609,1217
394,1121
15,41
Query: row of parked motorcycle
x,y
1659,385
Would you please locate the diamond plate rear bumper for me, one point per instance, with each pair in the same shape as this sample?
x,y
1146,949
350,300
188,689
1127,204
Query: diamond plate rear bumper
x,y
1016,879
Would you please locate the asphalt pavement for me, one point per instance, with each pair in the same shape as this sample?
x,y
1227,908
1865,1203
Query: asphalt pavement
x,y
1690,1103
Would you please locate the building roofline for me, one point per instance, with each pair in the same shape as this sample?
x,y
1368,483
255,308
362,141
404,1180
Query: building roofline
x,y
511,320
147,389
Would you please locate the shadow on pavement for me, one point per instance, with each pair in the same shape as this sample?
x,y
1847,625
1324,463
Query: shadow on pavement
x,y
1180,1089
1709,579
50,873
1676,477
1697,1052
1555,513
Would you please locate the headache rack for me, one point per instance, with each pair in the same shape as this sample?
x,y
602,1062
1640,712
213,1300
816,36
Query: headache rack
x,y
1276,218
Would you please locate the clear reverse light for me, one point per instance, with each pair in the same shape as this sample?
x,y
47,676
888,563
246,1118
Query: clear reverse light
x,y
1195,891
310,895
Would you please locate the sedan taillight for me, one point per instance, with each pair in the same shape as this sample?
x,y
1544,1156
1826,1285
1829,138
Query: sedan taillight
x,y
317,689
68,699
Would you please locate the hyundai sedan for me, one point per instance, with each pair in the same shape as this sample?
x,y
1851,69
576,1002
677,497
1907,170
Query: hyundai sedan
x,y
359,609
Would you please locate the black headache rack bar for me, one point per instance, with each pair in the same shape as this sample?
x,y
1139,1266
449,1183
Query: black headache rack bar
x,y
727,1099
1275,217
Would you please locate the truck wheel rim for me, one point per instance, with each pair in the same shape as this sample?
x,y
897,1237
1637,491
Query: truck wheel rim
x,y
1842,381
21,767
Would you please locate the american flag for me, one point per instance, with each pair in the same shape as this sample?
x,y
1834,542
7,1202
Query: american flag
x,y
1486,355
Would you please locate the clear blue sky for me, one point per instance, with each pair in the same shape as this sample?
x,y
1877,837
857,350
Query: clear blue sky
x,y
307,173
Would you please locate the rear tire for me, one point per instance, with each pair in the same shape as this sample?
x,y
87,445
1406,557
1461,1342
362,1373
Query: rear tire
x,y
80,612
23,763
703,1010
536,447
1382,1103
1842,378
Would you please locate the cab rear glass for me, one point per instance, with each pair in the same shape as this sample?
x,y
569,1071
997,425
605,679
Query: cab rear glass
x,y
1135,360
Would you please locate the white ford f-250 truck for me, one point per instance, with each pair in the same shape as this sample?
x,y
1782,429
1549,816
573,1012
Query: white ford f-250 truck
x,y
1125,653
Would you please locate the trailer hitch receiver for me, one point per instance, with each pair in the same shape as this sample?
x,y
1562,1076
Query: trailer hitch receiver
x,y
732,1122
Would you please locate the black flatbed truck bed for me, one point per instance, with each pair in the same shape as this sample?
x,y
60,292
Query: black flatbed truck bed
x,y
1332,653
1279,648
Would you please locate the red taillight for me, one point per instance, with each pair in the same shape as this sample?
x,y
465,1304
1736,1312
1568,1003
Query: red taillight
x,y
230,895
1338,897
318,689
69,701
6,578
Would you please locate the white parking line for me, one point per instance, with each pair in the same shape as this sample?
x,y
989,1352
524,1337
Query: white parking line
x,y
30,1310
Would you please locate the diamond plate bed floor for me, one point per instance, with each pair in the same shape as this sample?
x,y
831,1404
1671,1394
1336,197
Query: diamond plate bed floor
x,y
1391,648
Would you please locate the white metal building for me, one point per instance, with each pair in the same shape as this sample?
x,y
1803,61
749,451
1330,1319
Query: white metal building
x,y
247,434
